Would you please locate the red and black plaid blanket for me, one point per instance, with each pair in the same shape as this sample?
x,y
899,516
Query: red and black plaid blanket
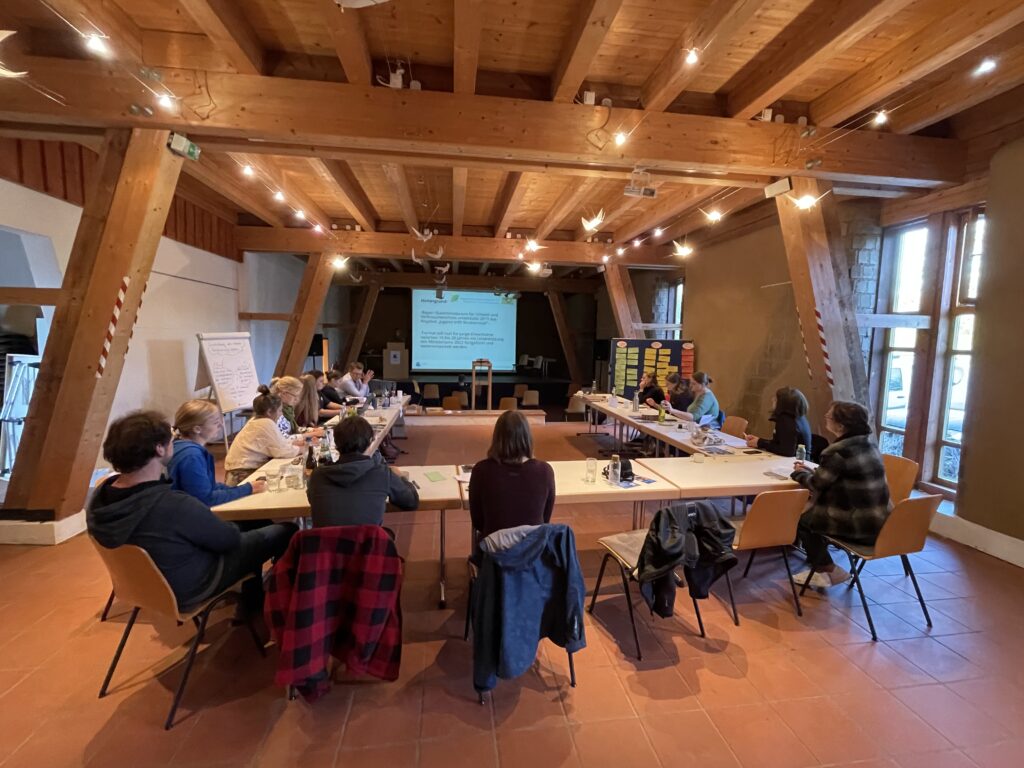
x,y
336,591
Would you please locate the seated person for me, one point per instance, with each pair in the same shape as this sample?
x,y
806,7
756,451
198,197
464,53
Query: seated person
x,y
260,440
307,410
191,468
704,403
330,398
356,383
677,391
199,554
650,394
289,390
355,489
849,493
511,488
789,412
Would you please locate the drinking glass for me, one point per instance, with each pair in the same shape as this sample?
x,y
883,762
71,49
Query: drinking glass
x,y
698,458
591,470
293,479
273,479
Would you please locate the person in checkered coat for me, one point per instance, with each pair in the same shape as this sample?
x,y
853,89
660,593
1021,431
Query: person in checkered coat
x,y
849,493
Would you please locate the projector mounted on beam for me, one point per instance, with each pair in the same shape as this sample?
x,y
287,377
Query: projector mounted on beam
x,y
639,185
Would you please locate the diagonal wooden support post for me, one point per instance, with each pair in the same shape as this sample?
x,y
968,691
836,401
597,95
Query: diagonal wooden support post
x,y
316,281
622,298
110,263
828,322
355,344
557,301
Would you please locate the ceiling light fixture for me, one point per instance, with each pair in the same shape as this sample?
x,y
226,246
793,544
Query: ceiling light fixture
x,y
97,44
605,258
714,215
681,249
533,266
317,228
986,66
248,171
658,231
620,138
619,251
880,118
531,246
637,242
165,101
279,196
338,262
300,214
692,56
806,202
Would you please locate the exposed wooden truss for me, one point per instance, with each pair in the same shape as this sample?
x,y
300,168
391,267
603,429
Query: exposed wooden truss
x,y
348,190
468,18
229,30
346,30
512,191
523,284
593,21
309,302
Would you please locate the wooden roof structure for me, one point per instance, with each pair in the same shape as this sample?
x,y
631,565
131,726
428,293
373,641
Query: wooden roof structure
x,y
495,145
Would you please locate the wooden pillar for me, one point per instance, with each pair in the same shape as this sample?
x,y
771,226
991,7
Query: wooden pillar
x,y
824,304
565,334
316,281
110,263
623,301
355,344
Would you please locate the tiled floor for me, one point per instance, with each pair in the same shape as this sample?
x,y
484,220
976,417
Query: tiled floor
x,y
775,692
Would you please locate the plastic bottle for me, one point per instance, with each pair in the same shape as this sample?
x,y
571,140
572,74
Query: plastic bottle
x,y
636,401
615,470
801,452
661,414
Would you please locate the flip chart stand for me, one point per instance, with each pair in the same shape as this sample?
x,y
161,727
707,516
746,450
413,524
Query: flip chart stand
x,y
482,365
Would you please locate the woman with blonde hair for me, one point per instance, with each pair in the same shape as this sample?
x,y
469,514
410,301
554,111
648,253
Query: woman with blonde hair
x,y
289,390
191,468
260,440
307,410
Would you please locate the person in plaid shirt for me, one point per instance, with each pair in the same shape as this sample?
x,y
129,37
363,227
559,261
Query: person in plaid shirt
x,y
849,493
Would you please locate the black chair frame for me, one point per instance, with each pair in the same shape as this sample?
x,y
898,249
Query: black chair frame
x,y
746,570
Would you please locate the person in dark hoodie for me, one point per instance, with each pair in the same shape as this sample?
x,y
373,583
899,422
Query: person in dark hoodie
x,y
356,489
199,554
191,468
791,426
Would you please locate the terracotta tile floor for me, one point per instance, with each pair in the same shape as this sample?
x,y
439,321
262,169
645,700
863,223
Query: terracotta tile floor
x,y
775,691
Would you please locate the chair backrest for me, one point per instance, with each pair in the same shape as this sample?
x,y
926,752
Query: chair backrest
x,y
905,530
137,580
735,426
431,392
463,396
577,404
900,474
531,397
772,519
520,390
452,403
507,404
415,386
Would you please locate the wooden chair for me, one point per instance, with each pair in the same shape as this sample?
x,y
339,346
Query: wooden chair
x,y
452,403
624,549
138,581
735,426
520,390
903,533
900,474
463,396
770,523
508,404
531,397
577,407
431,393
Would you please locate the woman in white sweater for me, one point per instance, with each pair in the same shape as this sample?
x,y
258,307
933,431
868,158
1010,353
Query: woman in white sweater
x,y
259,441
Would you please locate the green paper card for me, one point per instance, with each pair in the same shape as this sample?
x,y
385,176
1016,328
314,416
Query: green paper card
x,y
434,477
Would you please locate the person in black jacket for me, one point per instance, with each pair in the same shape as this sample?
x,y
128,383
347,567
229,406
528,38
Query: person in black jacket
x,y
650,393
677,391
199,554
791,426
356,489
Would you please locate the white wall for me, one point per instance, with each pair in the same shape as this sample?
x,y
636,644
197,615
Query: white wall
x,y
190,291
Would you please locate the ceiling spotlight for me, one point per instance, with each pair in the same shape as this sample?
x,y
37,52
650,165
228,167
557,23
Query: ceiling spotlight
x,y
279,196
248,171
714,216
300,214
637,243
317,228
97,45
805,202
681,249
658,231
533,266
519,255
880,118
338,262
165,101
531,246
605,258
986,66
692,57
620,138
619,251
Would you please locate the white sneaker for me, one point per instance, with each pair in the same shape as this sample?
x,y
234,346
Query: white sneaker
x,y
821,579
839,575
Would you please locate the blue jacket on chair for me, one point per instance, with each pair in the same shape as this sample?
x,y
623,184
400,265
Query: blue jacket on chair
x,y
532,590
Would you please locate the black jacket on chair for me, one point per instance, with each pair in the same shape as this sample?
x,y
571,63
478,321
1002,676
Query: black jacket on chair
x,y
690,534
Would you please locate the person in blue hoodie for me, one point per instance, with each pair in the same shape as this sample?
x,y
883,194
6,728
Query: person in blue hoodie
x,y
191,468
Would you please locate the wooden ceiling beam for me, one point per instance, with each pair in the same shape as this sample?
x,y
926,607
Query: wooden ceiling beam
x,y
914,208
967,26
842,23
252,199
303,112
712,34
338,174
396,177
664,210
349,38
295,198
573,196
399,246
507,202
965,89
468,18
593,21
460,178
121,34
228,28
696,220
473,282
613,212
